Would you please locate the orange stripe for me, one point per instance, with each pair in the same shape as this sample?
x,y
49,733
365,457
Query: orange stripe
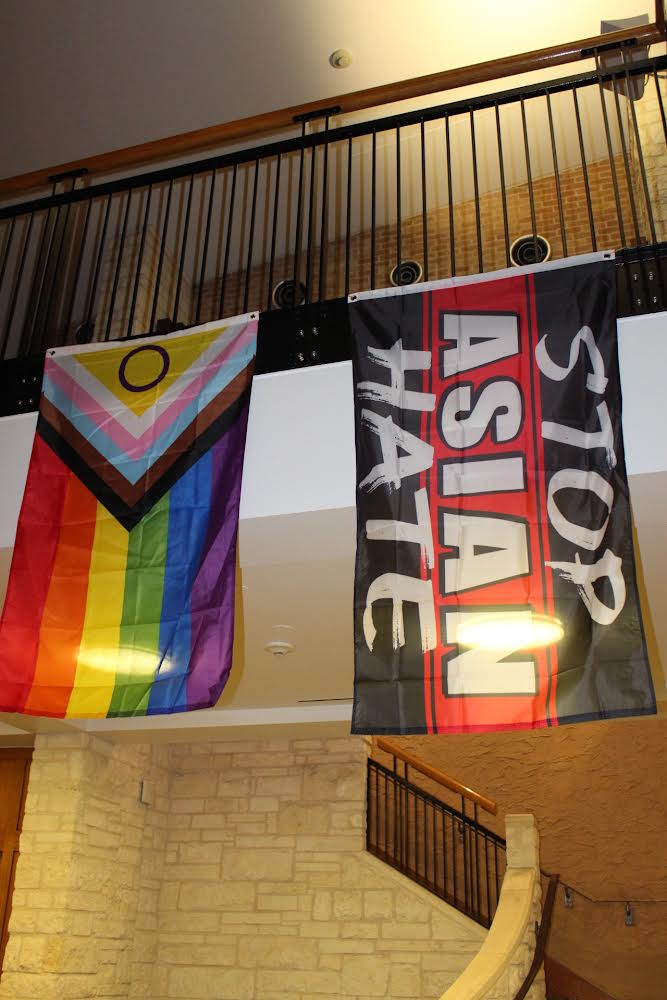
x,y
62,620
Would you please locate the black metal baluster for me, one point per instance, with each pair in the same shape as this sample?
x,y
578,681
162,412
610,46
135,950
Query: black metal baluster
x,y
160,262
274,231
631,194
554,156
184,243
612,161
626,163
324,219
309,237
5,256
369,804
54,275
478,217
495,852
503,191
373,204
77,271
486,873
228,241
98,262
299,219
204,256
251,239
396,843
454,839
424,208
114,288
660,104
398,206
386,816
476,837
452,250
642,167
377,809
40,269
17,285
466,860
531,196
584,169
348,221
140,260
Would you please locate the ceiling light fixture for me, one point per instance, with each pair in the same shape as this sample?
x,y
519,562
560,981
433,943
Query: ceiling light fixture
x,y
531,631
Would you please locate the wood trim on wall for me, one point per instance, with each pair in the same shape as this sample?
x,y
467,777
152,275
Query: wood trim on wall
x,y
9,843
565,984
372,97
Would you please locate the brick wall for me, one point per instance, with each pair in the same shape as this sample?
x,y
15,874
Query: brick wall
x,y
576,226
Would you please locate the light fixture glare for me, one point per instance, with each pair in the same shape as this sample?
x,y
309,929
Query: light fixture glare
x,y
513,632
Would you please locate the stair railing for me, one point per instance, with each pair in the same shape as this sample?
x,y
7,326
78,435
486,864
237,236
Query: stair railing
x,y
441,847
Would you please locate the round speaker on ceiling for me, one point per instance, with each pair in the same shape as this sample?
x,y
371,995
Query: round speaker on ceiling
x,y
284,296
530,249
408,272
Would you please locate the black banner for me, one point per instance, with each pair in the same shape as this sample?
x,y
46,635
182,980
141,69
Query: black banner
x,y
495,580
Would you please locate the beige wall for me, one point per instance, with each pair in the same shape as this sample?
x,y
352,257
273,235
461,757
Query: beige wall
x,y
599,795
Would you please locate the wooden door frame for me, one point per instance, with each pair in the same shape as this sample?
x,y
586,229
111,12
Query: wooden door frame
x,y
9,847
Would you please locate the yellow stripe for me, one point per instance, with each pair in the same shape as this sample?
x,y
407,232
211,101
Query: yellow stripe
x,y
98,658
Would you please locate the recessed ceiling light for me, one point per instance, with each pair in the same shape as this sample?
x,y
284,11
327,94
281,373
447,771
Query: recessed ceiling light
x,y
515,632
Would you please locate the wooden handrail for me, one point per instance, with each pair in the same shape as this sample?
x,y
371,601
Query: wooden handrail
x,y
436,775
358,100
542,938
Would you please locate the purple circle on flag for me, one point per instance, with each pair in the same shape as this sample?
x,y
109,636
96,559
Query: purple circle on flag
x,y
148,385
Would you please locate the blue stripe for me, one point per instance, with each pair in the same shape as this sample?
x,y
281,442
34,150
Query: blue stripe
x,y
189,508
134,469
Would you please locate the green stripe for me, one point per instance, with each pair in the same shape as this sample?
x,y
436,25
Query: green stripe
x,y
142,611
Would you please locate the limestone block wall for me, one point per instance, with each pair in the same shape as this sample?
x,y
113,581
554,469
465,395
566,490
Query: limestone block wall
x,y
244,877
83,920
268,892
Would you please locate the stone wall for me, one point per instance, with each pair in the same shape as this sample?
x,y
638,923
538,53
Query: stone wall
x,y
84,911
244,877
267,890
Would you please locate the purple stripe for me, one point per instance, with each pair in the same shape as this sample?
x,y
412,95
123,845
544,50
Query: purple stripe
x,y
212,602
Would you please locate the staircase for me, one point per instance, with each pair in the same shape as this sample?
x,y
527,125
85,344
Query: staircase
x,y
430,831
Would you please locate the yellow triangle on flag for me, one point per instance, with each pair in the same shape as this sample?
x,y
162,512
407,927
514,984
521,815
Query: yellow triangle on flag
x,y
139,374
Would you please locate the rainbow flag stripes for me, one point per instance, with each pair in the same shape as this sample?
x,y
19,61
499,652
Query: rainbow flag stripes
x,y
121,593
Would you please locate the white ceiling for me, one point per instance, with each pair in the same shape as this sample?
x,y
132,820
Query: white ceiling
x,y
81,78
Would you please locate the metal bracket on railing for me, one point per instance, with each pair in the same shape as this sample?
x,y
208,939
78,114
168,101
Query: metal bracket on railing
x,y
315,334
311,116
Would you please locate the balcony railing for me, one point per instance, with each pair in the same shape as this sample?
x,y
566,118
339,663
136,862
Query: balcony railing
x,y
571,165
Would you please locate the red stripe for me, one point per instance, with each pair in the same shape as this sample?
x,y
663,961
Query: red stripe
x,y
551,707
32,564
65,609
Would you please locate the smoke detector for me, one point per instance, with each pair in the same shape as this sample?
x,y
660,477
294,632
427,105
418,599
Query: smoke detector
x,y
340,59
280,643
